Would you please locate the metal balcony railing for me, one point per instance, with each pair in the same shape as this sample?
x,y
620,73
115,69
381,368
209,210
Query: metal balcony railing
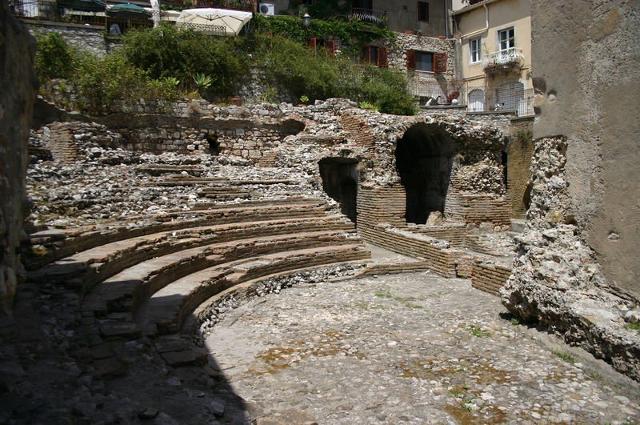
x,y
517,101
369,15
36,9
512,57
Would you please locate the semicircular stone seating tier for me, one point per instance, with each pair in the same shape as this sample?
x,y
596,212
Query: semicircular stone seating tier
x,y
150,275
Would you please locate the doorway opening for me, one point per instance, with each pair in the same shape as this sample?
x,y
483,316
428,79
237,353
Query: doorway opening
x,y
340,182
214,145
424,159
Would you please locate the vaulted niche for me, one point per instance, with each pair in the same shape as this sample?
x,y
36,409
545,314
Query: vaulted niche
x,y
340,181
424,158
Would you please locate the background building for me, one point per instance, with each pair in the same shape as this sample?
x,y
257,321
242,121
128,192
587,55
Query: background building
x,y
494,53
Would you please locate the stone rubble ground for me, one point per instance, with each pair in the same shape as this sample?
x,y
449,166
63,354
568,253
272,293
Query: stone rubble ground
x,y
409,348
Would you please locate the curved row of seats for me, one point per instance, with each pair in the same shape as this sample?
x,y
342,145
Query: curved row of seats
x,y
149,276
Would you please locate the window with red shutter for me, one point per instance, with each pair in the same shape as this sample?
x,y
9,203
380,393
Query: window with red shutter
x,y
439,63
411,59
383,60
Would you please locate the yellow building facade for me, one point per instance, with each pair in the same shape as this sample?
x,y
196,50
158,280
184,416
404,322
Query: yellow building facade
x,y
494,62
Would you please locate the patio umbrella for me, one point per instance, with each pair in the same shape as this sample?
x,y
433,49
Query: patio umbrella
x,y
214,21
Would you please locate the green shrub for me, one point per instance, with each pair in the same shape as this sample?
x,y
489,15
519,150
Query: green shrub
x,y
54,57
183,54
295,69
298,71
353,34
103,81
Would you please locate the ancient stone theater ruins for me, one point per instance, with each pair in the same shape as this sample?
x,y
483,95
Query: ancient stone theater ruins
x,y
321,263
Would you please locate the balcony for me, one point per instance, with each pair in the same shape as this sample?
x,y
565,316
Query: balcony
x,y
378,17
504,60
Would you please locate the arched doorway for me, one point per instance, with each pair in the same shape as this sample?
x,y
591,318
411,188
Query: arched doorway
x,y
476,100
424,158
340,182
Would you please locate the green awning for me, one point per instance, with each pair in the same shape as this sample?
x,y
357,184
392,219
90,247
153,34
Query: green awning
x,y
127,9
83,5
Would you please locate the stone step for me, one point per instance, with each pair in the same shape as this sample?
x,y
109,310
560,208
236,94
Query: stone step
x,y
166,309
125,290
59,243
106,260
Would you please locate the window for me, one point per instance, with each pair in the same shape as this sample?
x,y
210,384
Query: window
x,y
474,49
506,39
424,61
423,11
375,55
370,54
476,100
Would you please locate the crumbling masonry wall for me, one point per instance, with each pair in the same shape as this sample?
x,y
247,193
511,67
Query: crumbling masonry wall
x,y
576,268
16,102
588,92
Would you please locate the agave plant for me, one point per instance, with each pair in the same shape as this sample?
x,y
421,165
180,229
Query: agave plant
x,y
172,81
202,81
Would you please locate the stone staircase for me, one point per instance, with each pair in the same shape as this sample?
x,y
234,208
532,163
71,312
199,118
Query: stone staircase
x,y
61,144
149,275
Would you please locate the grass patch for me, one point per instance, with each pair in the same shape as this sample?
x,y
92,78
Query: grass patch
x,y
633,326
406,301
567,357
383,293
478,332
514,321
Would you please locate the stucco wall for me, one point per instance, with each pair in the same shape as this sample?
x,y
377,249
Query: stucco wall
x,y
587,73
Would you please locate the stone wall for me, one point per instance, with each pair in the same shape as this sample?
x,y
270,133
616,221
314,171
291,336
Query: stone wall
x,y
557,282
16,104
577,270
588,91
425,84
82,37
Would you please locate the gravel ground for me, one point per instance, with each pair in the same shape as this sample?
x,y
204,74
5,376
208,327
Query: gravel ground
x,y
409,348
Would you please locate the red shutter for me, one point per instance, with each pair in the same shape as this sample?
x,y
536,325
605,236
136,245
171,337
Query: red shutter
x,y
383,60
439,63
411,59
331,47
313,42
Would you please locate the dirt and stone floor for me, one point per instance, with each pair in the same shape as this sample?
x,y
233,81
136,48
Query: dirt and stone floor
x,y
408,348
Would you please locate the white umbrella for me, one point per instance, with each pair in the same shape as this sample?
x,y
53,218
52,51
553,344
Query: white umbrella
x,y
214,21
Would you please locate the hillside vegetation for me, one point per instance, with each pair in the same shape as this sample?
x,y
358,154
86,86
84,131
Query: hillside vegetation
x,y
167,63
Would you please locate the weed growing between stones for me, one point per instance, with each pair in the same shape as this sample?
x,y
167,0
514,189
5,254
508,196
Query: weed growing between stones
x,y
569,358
478,332
633,326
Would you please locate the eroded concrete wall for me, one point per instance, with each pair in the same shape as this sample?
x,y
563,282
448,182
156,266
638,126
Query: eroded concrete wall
x,y
586,56
17,84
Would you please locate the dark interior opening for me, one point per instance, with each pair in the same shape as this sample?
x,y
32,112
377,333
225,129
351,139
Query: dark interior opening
x,y
504,160
526,198
424,158
340,181
214,145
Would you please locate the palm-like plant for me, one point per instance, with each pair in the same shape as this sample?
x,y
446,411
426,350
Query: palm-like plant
x,y
203,81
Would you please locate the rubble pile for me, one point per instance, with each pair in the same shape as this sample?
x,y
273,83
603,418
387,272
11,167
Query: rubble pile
x,y
484,176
